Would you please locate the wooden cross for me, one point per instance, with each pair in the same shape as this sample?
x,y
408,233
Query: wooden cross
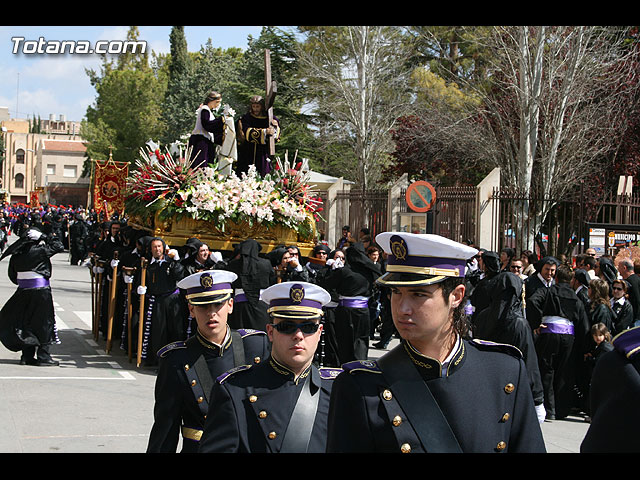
x,y
271,89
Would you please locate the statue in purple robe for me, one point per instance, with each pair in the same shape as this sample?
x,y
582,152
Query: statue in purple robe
x,y
208,132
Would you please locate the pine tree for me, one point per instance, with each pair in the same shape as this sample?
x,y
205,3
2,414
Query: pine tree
x,y
177,108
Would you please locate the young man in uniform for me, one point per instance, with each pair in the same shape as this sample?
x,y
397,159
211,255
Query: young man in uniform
x,y
279,405
437,391
188,369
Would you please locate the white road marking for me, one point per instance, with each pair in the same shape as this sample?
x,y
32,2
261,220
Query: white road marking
x,y
122,376
85,317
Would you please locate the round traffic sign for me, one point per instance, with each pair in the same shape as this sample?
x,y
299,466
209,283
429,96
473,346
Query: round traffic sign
x,y
421,196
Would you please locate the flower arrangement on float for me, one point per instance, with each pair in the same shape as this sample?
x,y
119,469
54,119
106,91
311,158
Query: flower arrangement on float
x,y
171,188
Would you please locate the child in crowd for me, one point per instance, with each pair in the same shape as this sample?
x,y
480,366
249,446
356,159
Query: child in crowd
x,y
601,345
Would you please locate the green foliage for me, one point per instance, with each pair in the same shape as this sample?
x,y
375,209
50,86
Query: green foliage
x,y
127,110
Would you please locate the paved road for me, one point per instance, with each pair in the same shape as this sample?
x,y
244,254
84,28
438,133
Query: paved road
x,y
96,402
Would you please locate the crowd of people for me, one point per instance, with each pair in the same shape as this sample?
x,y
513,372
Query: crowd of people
x,y
561,313
92,241
219,327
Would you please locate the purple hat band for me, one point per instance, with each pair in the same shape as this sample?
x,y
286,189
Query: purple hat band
x,y
628,342
287,302
212,288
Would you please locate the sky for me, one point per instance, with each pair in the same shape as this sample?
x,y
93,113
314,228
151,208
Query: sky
x,y
36,84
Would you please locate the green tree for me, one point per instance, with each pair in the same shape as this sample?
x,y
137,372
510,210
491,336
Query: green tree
x,y
177,108
127,110
296,134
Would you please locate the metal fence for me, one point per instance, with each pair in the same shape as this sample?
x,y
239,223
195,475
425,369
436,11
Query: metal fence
x,y
357,209
363,209
520,220
557,226
544,225
455,213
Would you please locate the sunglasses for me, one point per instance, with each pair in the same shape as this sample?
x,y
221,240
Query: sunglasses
x,y
289,328
617,288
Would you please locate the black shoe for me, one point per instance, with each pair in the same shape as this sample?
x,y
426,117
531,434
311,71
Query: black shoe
x,y
550,417
28,361
50,362
379,346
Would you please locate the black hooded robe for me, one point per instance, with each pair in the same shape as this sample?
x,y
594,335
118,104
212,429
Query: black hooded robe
x,y
27,320
352,321
504,321
254,274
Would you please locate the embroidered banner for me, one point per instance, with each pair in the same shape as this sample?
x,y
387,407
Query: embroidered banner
x,y
110,180
34,199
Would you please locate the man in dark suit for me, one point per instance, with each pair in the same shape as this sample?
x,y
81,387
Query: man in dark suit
x,y
166,315
558,317
545,271
580,285
627,270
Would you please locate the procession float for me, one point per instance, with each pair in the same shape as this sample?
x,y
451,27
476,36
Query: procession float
x,y
166,196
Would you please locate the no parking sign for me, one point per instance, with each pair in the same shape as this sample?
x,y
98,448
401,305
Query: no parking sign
x,y
420,196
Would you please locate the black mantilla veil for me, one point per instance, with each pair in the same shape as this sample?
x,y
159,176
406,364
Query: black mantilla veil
x,y
505,306
24,243
358,260
249,251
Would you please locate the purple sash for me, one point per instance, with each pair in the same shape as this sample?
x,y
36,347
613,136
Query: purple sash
x,y
353,303
557,328
33,282
241,297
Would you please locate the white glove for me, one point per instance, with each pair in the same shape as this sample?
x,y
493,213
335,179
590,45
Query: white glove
x,y
34,234
127,278
216,256
173,253
99,270
141,290
114,263
329,262
337,264
541,412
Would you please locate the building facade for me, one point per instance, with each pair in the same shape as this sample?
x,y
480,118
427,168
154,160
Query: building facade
x,y
49,163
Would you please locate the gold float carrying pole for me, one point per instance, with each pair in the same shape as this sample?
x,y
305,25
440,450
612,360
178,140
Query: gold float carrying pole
x,y
129,271
93,295
112,303
99,264
143,267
